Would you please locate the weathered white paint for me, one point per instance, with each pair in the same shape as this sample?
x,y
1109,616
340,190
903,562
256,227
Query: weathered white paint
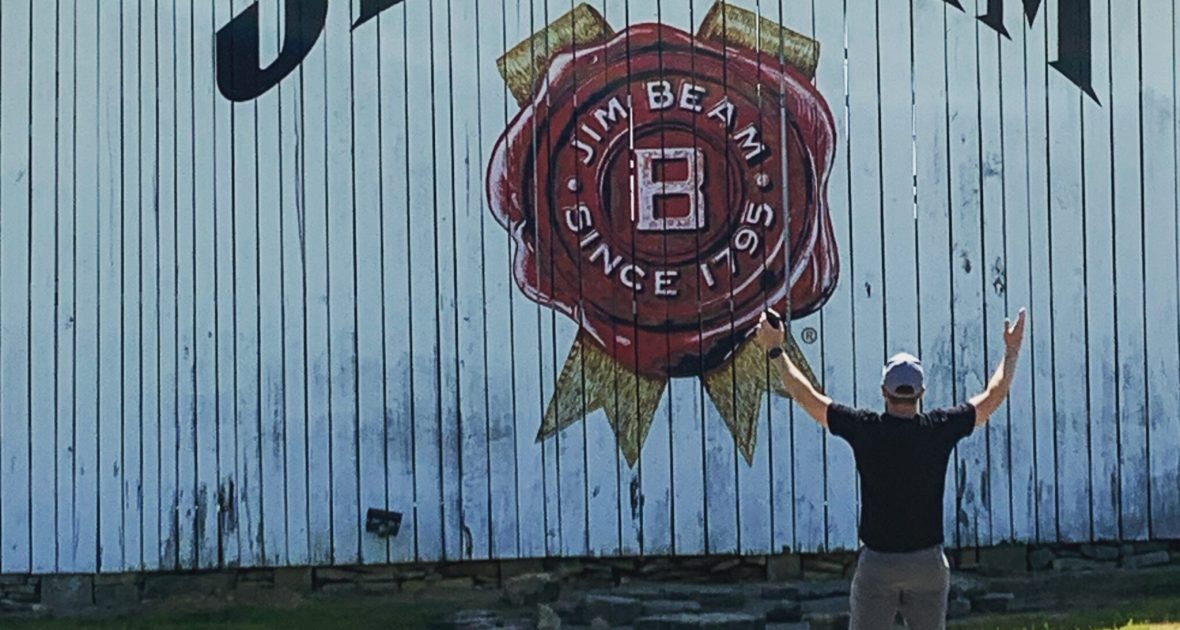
x,y
226,330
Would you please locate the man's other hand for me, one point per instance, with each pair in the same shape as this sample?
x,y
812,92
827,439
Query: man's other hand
x,y
1014,334
768,335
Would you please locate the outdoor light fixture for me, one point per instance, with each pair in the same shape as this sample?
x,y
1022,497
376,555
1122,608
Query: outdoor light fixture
x,y
383,522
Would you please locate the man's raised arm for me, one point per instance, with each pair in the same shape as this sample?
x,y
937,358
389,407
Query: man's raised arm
x,y
770,335
987,402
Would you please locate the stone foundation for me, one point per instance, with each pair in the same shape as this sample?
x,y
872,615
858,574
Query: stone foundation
x,y
67,594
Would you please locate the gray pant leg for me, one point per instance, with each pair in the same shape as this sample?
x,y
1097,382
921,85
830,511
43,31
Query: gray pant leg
x,y
924,597
876,593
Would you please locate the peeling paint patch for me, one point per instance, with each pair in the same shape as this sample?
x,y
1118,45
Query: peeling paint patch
x,y
636,498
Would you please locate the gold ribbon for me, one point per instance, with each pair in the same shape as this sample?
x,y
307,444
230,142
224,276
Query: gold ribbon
x,y
591,379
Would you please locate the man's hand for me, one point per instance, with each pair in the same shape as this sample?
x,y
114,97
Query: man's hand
x,y
997,388
770,333
1014,335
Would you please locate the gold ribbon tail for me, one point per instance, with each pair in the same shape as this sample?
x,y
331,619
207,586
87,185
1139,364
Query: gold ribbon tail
x,y
591,380
737,389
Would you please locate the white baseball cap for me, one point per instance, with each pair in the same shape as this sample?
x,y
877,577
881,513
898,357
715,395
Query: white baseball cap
x,y
903,376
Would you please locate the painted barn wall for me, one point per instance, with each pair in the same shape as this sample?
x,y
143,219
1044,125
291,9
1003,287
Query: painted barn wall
x,y
228,327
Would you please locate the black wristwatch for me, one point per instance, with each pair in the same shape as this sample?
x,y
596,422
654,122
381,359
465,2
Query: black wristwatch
x,y
775,352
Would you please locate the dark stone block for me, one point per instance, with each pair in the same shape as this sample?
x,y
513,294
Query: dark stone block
x,y
116,595
702,621
293,579
1150,559
787,566
709,597
1004,559
958,607
669,607
785,612
1082,564
824,621
64,593
824,588
1041,559
530,589
993,602
836,604
616,610
1100,552
165,585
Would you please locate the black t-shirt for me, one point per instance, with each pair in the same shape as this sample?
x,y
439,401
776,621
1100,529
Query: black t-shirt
x,y
902,466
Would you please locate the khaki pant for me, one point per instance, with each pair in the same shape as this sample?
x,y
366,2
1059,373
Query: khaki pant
x,y
914,583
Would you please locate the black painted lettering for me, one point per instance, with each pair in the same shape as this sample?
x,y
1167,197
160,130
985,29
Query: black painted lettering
x,y
370,9
1074,39
239,75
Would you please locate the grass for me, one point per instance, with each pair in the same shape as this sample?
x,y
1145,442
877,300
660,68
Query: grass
x,y
1108,601
353,613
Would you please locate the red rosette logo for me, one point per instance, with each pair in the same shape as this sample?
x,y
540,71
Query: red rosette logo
x,y
646,183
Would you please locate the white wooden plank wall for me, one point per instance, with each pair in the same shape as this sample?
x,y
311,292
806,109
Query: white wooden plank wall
x,y
228,329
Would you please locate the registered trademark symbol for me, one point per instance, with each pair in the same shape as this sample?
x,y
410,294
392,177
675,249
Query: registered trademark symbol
x,y
809,335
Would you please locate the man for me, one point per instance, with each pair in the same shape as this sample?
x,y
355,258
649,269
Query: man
x,y
901,458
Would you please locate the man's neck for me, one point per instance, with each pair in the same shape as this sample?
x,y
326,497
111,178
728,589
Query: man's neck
x,y
901,410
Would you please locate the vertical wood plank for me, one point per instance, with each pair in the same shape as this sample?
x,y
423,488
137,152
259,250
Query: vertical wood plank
x,y
1128,255
65,317
866,206
755,498
492,103
451,394
899,234
840,518
611,520
797,458
559,452
1038,340
533,513
1018,275
128,254
314,232
1158,111
297,401
655,459
967,268
422,267
399,445
1100,295
148,315
273,196
85,167
207,215
193,454
229,487
722,505
470,297
110,232
1067,283
683,408
994,481
43,343
342,354
171,258
15,550
246,497
366,184
934,248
